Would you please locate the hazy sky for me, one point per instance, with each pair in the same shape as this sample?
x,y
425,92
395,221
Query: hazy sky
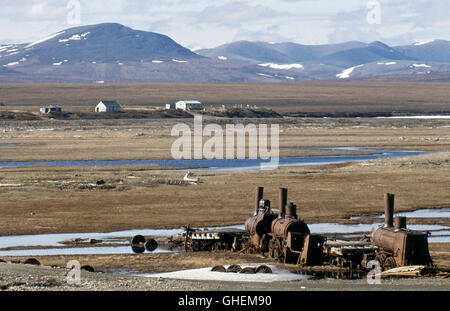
x,y
209,23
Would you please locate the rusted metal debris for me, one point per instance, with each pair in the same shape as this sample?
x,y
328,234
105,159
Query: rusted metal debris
x,y
139,244
77,241
245,270
286,238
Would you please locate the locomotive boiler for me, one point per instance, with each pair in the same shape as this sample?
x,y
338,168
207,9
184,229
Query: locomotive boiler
x,y
397,245
259,225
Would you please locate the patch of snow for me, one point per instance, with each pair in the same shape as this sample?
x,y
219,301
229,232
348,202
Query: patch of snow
x,y
45,39
66,60
347,72
421,66
75,37
423,42
4,48
57,64
282,66
179,61
157,61
13,53
388,63
13,50
120,64
416,117
277,275
290,78
100,82
222,57
94,63
264,75
11,64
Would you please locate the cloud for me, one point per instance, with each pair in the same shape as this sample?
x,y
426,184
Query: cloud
x,y
209,23
402,22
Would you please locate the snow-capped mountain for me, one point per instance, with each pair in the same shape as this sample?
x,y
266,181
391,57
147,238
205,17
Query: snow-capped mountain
x,y
114,53
351,60
111,52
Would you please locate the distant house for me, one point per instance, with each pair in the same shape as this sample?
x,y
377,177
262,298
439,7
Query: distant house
x,y
170,106
50,109
107,106
189,105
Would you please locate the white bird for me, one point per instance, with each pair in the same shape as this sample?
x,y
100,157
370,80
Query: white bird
x,y
191,180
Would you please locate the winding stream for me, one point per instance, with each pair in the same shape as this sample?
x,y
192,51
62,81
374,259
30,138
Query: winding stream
x,y
236,164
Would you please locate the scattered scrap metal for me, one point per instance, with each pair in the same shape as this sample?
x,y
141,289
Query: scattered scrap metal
x,y
286,238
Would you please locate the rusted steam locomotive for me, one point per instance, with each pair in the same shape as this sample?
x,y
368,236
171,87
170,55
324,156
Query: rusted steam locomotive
x,y
398,246
282,235
288,239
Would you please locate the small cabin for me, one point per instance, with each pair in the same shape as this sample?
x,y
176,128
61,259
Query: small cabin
x,y
170,106
107,106
189,105
50,109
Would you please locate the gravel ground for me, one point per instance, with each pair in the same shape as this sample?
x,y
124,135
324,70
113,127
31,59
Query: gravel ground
x,y
20,277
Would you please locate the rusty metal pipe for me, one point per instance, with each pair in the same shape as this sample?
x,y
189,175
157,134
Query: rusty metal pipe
x,y
258,196
291,210
400,222
389,210
283,201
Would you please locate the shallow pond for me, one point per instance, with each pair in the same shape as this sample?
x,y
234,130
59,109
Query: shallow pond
x,y
422,213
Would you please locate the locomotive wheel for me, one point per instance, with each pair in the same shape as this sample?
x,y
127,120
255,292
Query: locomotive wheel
x,y
271,253
248,270
234,269
219,269
263,269
138,239
195,246
382,258
389,263
278,252
151,245
271,249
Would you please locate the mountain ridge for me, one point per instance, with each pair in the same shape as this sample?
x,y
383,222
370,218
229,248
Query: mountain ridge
x,y
114,53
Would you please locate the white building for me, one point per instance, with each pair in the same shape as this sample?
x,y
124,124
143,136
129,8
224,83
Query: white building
x,y
50,109
107,106
170,106
189,105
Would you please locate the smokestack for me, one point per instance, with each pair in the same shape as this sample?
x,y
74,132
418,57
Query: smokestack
x,y
258,196
389,210
291,210
283,201
400,222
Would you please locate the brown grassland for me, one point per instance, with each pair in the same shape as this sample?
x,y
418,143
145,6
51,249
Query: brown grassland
x,y
60,199
309,97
